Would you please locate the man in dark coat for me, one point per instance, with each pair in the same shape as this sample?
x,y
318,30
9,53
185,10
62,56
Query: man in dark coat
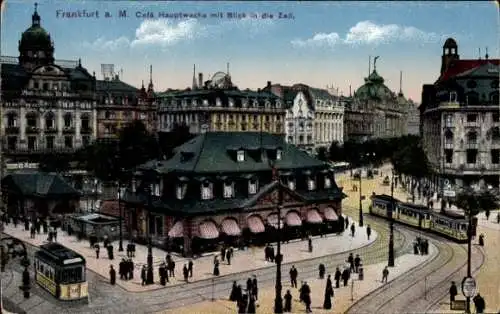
x,y
345,276
352,230
234,291
255,288
322,271
288,302
415,248
306,291
266,253
453,292
251,304
223,253
271,254
368,231
121,269
479,303
327,303
357,262
243,303
112,275
185,272
97,250
143,275
162,271
293,276
350,260
228,257
249,285
337,277
131,269
190,268
346,221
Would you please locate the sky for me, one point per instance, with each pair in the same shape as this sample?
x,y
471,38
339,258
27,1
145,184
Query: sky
x,y
315,43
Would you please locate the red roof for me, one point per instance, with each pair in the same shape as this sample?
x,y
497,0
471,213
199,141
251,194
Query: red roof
x,y
460,66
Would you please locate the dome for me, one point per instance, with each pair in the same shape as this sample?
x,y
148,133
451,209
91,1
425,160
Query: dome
x,y
450,43
35,36
374,88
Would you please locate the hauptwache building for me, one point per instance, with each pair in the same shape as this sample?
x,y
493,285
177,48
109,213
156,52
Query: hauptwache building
x,y
231,187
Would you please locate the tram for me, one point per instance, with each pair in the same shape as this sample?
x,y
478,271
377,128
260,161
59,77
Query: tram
x,y
61,272
450,225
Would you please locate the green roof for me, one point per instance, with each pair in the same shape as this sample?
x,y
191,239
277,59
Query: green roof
x,y
38,184
215,152
115,86
374,88
209,92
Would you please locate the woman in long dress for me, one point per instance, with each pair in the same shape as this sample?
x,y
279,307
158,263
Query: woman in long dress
x,y
327,304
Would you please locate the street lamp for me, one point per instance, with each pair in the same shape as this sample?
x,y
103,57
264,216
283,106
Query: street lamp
x,y
390,261
278,300
120,191
149,274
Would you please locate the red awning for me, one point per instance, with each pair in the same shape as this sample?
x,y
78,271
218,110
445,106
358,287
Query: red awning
x,y
330,214
272,220
255,224
230,227
293,219
314,217
177,230
208,230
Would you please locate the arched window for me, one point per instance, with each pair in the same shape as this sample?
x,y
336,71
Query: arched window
x,y
50,122
31,120
68,120
85,120
472,137
12,120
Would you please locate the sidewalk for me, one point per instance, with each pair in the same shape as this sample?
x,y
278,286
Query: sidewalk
x,y
203,267
343,299
487,276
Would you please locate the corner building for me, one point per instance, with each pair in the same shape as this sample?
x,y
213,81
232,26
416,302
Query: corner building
x,y
48,105
224,187
459,115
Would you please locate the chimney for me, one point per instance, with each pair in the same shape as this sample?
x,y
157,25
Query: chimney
x,y
200,80
268,83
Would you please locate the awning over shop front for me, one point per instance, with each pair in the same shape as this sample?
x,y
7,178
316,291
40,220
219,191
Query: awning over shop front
x,y
272,220
208,230
230,227
255,224
292,219
177,230
330,214
314,217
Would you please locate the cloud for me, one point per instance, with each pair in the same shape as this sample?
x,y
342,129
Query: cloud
x,y
369,33
319,40
166,33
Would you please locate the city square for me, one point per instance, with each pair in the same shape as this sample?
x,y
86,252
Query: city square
x,y
126,189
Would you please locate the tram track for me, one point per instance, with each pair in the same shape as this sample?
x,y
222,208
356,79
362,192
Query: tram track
x,y
420,289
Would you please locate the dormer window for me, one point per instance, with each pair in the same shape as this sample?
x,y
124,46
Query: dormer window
x,y
279,154
252,186
155,189
240,155
291,184
206,191
311,184
180,191
328,183
453,96
228,189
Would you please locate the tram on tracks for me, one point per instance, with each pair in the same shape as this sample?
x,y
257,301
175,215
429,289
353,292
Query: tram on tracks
x,y
61,272
450,225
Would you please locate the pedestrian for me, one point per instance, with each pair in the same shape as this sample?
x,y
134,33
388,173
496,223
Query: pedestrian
x,y
498,218
222,253
121,269
249,285
131,269
293,276
112,275
357,262
143,275
234,291
216,268
228,257
110,252
453,292
185,272
385,274
368,231
288,302
266,253
97,250
190,268
306,296
322,271
346,222
32,232
243,303
255,288
479,303
352,230
350,260
310,244
487,213
162,272
481,239
271,254
415,248
251,303
172,268
345,276
327,303
337,277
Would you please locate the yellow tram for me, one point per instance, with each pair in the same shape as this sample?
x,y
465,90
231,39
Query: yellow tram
x,y
61,272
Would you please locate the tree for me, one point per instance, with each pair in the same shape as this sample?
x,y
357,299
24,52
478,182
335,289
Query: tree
x,y
473,202
135,146
55,162
322,154
336,152
177,136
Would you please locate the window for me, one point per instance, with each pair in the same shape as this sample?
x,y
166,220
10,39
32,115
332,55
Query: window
x,y
107,115
471,117
471,156
31,120
228,189
12,143
68,120
279,154
290,139
291,184
311,184
453,97
206,191
472,137
11,120
49,141
49,120
85,140
180,191
85,122
448,153
448,120
495,156
252,186
31,142
72,275
328,182
240,156
448,137
156,189
68,142
495,117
